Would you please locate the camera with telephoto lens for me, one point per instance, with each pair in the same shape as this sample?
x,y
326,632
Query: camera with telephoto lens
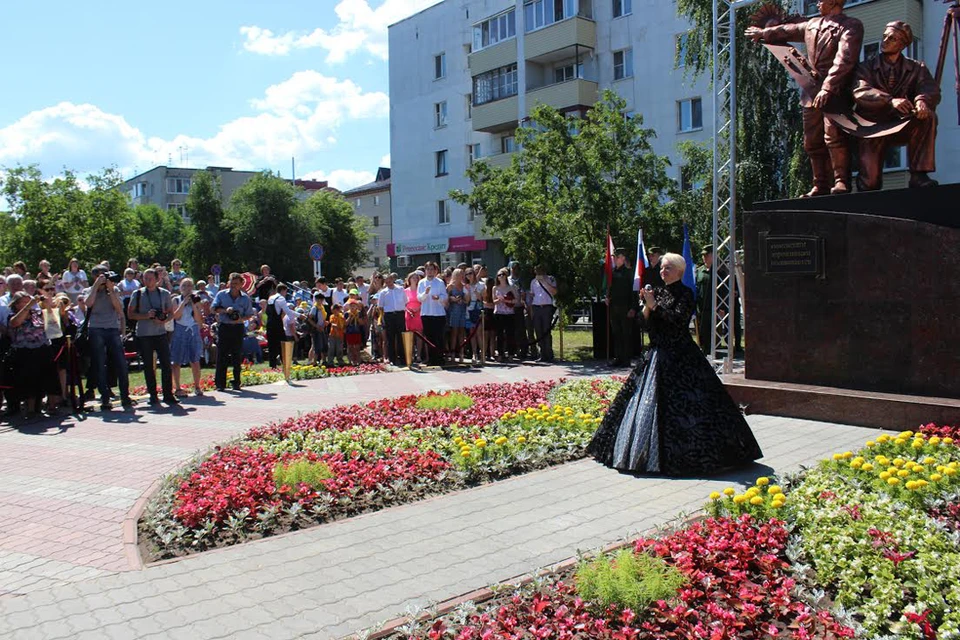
x,y
111,276
194,298
233,315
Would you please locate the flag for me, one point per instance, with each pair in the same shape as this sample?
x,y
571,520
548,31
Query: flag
x,y
689,275
642,263
608,263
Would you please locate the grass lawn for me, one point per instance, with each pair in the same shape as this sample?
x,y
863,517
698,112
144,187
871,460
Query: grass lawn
x,y
186,377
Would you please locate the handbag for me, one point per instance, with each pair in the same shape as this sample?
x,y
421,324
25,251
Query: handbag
x,y
82,339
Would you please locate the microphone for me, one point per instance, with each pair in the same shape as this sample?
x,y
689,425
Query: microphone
x,y
647,288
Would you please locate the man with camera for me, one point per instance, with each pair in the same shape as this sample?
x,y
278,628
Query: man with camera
x,y
233,307
105,313
151,307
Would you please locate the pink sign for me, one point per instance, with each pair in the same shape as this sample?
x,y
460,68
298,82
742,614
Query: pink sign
x,y
467,243
461,243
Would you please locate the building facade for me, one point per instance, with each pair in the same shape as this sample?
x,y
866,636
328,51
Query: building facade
x,y
372,203
465,73
168,187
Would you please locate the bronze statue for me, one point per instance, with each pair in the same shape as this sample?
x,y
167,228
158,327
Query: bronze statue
x,y
890,87
833,43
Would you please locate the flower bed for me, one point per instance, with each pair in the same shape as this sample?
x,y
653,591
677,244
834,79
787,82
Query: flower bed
x,y
866,544
378,454
250,377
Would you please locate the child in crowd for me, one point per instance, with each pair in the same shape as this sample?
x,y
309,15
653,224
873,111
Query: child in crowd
x,y
354,326
337,331
316,322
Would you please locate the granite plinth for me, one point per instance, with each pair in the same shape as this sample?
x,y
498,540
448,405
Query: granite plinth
x,y
883,315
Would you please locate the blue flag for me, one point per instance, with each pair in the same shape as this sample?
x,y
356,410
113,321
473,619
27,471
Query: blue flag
x,y
690,275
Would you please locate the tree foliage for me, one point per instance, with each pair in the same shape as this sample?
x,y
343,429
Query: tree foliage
x,y
332,223
207,241
771,161
571,181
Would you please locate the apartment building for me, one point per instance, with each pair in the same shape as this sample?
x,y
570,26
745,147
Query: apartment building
x,y
465,73
372,202
168,187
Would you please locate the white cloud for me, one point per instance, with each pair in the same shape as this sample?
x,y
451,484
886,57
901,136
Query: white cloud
x,y
361,28
295,118
385,161
341,179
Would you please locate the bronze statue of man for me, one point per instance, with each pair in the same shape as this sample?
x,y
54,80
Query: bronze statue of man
x,y
833,42
890,87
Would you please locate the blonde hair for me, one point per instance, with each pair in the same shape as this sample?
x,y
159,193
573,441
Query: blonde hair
x,y
676,260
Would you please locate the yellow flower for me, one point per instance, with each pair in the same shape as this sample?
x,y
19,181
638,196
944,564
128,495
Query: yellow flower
x,y
481,443
847,455
917,444
715,495
756,500
900,442
728,491
903,473
838,456
883,438
870,443
935,477
893,481
777,505
917,468
501,440
739,499
884,460
763,481
911,485
549,418
898,463
884,475
521,439
905,434
929,460
952,464
892,470
922,483
867,466
950,471
947,440
935,440
775,490
751,492
465,453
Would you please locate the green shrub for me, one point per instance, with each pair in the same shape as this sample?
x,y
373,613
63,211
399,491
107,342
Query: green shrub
x,y
586,395
627,580
445,402
301,471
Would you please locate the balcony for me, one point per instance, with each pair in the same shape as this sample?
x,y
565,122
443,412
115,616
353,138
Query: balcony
x,y
500,160
560,40
499,115
572,93
494,57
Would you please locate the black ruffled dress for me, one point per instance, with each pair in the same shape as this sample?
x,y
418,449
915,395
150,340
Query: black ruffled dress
x,y
673,415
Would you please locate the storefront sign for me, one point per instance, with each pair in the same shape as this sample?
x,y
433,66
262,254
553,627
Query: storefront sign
x,y
460,243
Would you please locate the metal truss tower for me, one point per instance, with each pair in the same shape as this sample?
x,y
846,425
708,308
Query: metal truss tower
x,y
724,180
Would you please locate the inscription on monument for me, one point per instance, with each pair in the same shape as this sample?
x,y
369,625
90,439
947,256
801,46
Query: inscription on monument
x,y
791,255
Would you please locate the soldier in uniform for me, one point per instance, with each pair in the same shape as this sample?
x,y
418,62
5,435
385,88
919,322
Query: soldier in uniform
x,y
833,43
889,87
705,299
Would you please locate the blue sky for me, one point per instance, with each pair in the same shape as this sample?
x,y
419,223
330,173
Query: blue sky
x,y
244,84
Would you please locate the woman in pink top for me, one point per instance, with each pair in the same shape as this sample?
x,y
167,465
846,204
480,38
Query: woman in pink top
x,y
414,321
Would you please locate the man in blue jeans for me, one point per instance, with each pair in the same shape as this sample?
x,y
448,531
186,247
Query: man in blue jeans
x,y
233,307
105,311
151,307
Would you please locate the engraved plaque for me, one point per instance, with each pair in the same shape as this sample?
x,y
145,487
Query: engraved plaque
x,y
791,255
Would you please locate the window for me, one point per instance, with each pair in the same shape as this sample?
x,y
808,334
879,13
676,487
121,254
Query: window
x,y
810,6
472,213
356,203
180,209
376,221
494,85
376,201
443,212
494,30
140,189
567,72
439,66
441,163
689,115
895,158
871,49
508,144
440,114
469,98
376,242
687,181
178,185
376,261
622,8
473,153
683,40
542,13
622,64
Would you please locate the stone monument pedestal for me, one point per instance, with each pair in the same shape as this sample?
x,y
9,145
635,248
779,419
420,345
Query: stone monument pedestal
x,y
851,294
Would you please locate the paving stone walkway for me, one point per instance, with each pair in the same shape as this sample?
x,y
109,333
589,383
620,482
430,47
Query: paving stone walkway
x,y
67,488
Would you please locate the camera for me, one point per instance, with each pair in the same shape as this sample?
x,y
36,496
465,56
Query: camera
x,y
112,276
161,316
233,315
194,298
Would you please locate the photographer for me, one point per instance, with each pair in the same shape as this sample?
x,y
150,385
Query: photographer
x,y
105,312
151,307
233,308
34,372
186,347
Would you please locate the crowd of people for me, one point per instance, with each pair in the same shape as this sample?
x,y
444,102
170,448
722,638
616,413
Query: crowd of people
x,y
70,336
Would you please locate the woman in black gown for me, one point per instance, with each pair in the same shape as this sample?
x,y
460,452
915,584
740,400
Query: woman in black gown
x,y
673,415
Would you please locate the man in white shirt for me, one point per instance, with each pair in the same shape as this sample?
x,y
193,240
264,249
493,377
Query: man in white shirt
x,y
324,289
432,293
364,290
543,289
339,295
393,301
277,310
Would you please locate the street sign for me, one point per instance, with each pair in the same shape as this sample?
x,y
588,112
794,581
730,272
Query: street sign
x,y
215,269
316,252
316,269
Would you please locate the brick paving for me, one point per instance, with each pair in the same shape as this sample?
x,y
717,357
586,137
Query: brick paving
x,y
66,489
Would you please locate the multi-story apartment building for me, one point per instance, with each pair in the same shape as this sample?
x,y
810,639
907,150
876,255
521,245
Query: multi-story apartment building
x,y
465,73
168,187
372,202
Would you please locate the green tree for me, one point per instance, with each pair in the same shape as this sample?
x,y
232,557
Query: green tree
x,y
571,181
771,161
207,240
693,205
333,224
161,234
267,226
